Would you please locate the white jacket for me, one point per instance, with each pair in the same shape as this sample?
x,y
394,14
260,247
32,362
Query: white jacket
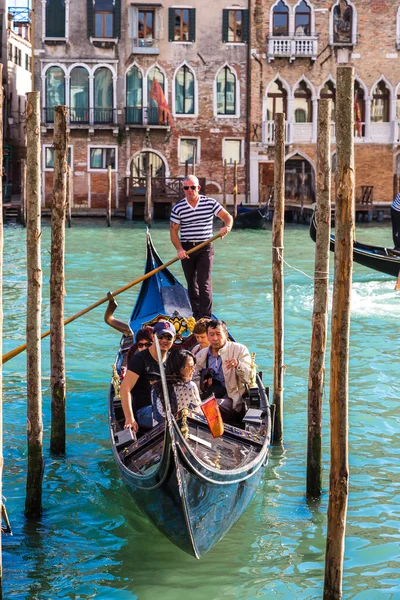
x,y
235,379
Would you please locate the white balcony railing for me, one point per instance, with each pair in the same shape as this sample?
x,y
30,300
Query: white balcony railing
x,y
292,47
146,46
396,132
268,132
302,132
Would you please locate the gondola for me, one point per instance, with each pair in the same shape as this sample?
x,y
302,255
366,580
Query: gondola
x,y
377,258
251,218
192,487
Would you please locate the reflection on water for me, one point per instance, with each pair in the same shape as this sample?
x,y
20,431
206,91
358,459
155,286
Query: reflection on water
x,y
92,542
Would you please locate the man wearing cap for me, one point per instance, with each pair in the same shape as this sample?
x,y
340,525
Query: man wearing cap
x,y
142,371
194,216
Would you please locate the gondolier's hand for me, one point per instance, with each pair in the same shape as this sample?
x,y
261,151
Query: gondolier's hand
x,y
131,425
224,231
182,254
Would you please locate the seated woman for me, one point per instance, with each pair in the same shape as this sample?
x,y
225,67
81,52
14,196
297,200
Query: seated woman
x,y
143,340
182,391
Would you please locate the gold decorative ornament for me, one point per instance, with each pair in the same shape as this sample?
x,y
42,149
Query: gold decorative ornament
x,y
253,373
217,464
116,382
185,428
190,322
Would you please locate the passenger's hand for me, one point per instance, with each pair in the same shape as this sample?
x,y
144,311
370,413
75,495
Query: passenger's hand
x,y
182,254
224,231
131,424
231,363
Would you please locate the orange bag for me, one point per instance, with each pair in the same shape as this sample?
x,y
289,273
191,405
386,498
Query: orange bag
x,y
212,413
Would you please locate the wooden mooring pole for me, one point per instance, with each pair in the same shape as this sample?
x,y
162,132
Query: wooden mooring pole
x,y
147,205
320,311
33,501
70,195
224,188
277,271
1,337
23,192
57,282
341,304
109,190
235,189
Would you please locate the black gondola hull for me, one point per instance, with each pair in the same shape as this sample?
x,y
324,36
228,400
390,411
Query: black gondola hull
x,y
378,258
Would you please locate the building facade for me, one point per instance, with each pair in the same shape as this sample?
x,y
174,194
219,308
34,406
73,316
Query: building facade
x,y
116,65
296,47
16,53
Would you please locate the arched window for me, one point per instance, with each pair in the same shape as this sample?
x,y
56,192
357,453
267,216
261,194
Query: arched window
x,y
280,19
139,165
302,104
277,100
329,91
79,95
226,92
342,23
380,104
184,91
103,96
359,110
154,116
134,96
299,180
55,91
302,24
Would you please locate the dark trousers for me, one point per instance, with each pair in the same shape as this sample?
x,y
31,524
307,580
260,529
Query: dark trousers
x,y
197,269
395,214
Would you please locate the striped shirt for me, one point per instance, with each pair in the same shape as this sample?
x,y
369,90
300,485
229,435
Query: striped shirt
x,y
196,223
396,203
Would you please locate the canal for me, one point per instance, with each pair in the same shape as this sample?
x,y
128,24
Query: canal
x,y
92,542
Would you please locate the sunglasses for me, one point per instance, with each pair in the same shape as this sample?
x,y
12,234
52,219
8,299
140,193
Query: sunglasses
x,y
190,187
165,336
144,344
189,368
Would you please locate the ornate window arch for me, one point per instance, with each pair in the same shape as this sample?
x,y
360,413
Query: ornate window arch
x,y
184,91
79,94
328,90
276,99
54,90
134,95
304,19
302,103
279,19
343,24
227,95
103,95
154,115
381,95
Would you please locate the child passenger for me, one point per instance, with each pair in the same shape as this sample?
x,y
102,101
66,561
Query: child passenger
x,y
182,391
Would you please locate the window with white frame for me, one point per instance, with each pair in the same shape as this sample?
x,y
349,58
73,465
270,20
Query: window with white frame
x,y
144,26
232,151
280,19
226,92
189,151
102,158
302,19
184,91
49,157
343,24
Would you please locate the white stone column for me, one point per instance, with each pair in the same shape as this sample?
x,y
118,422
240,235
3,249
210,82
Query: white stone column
x,y
367,119
314,119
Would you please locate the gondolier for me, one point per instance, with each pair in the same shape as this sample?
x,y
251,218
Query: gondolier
x,y
194,216
395,214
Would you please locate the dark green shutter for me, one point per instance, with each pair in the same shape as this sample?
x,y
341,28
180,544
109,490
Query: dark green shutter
x,y
55,18
246,26
192,24
225,21
117,19
90,18
171,24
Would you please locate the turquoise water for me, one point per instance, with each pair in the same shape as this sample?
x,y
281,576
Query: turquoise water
x,y
92,542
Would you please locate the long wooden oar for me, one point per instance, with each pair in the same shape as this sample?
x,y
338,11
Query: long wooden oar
x,y
9,355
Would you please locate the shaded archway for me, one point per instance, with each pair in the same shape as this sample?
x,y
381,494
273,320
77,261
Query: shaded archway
x,y
299,180
140,162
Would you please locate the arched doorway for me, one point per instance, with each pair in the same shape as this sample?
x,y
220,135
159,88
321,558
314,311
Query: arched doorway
x,y
140,162
299,180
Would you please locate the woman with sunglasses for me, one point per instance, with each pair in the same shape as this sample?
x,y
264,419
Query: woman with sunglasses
x,y
143,340
182,391
194,216
143,370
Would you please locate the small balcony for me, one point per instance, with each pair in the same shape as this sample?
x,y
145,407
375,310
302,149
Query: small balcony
x,y
146,46
148,116
83,116
268,132
292,47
